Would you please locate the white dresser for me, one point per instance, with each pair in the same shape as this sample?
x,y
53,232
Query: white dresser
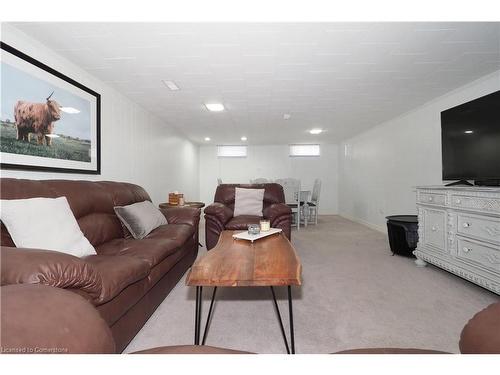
x,y
459,231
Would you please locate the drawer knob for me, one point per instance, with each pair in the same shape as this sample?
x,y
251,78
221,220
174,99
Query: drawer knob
x,y
467,249
458,201
430,199
466,225
435,228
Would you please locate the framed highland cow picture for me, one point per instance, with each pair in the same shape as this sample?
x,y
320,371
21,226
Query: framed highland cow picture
x,y
48,121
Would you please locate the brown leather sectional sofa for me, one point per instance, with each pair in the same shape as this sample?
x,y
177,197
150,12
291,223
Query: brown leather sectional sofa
x,y
128,278
219,215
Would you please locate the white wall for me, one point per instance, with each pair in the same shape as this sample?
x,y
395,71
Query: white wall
x,y
272,162
380,167
136,146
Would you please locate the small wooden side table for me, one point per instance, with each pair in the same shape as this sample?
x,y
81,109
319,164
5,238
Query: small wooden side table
x,y
199,205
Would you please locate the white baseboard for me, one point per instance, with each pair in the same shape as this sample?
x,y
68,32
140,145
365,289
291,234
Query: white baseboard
x,y
378,228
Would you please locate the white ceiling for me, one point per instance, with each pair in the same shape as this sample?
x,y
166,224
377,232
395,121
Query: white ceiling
x,y
342,77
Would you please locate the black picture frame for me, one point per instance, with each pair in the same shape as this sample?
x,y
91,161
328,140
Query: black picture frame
x,y
97,169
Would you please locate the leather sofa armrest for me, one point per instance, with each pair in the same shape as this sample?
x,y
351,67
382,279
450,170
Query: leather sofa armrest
x,y
276,211
53,268
182,215
39,319
481,334
219,212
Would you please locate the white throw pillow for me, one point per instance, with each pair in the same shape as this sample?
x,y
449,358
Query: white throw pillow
x,y
140,218
248,202
44,223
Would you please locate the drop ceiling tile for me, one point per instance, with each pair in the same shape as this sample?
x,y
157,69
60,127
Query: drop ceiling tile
x,y
343,77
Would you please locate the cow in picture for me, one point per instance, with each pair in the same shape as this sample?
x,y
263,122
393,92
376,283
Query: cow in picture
x,y
37,118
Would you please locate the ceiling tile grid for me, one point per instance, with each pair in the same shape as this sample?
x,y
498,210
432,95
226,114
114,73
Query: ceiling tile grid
x,y
341,77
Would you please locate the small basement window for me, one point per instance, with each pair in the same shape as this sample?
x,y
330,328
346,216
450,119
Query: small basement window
x,y
304,150
231,151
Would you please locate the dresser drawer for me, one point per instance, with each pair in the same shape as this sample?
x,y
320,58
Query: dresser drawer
x,y
480,227
479,254
484,204
432,198
434,228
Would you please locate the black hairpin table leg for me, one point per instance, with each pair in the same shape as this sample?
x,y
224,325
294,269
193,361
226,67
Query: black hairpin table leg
x,y
280,321
207,324
292,335
197,315
290,349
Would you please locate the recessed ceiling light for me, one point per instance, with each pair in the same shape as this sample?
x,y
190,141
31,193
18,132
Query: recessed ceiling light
x,y
316,131
207,139
287,116
469,131
243,138
171,85
214,107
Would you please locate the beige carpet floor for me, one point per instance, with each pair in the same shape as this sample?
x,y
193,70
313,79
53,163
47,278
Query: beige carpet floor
x,y
354,294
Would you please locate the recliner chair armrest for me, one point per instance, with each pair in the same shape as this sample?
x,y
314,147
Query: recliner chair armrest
x,y
182,215
53,268
219,212
275,211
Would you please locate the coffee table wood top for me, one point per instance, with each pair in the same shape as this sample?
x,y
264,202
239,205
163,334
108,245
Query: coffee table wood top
x,y
270,261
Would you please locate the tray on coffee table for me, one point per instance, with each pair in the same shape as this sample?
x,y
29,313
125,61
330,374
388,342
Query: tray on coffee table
x,y
253,237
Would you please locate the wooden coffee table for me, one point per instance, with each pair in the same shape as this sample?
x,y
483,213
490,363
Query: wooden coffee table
x,y
270,262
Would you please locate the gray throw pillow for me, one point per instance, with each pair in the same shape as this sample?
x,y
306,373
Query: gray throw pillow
x,y
140,218
248,202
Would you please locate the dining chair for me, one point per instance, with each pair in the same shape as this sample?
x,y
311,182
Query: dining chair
x,y
291,188
304,208
313,204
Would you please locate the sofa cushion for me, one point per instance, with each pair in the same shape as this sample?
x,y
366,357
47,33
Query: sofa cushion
x,y
91,202
162,268
155,247
161,243
152,251
241,222
179,233
117,272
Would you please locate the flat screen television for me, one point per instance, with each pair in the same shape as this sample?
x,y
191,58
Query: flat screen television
x,y
470,136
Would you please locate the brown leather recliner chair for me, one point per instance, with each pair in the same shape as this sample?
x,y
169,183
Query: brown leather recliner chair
x,y
219,215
